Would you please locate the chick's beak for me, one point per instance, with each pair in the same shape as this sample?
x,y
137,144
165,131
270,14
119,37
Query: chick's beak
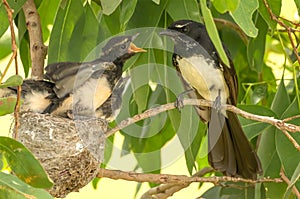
x,y
134,49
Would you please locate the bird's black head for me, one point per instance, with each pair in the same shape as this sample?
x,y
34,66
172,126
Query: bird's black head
x,y
119,49
186,33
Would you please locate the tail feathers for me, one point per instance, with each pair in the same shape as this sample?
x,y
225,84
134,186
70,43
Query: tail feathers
x,y
35,95
230,152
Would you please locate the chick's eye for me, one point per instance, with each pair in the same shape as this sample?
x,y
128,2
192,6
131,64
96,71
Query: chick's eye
x,y
123,46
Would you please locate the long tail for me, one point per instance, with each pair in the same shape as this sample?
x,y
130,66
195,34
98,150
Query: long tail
x,y
230,152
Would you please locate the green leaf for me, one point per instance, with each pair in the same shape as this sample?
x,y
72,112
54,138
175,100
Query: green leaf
x,y
126,11
46,17
5,43
109,6
113,22
1,161
271,164
150,16
23,163
213,192
225,6
275,6
109,145
256,46
15,80
25,54
294,179
243,16
188,134
254,128
156,1
95,182
281,100
65,22
7,105
139,97
15,6
183,9
234,193
147,147
3,19
13,187
288,154
191,151
297,2
212,31
24,43
86,28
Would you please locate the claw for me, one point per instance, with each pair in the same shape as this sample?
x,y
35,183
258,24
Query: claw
x,y
179,102
179,99
217,103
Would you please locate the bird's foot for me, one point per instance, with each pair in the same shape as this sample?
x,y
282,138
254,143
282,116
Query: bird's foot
x,y
179,102
179,99
217,103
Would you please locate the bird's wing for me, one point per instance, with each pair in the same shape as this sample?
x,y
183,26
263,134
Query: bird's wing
x,y
202,111
57,71
231,81
68,76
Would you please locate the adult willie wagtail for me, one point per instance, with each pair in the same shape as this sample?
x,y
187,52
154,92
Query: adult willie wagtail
x,y
79,89
201,68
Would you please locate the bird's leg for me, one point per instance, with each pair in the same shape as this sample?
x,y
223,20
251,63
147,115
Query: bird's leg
x,y
217,103
179,99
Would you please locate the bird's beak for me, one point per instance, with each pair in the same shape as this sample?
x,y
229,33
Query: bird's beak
x,y
171,33
134,49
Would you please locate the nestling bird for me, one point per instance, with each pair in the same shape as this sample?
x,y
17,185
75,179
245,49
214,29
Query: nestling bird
x,y
201,68
79,89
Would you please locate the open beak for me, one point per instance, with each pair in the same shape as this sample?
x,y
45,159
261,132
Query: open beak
x,y
134,49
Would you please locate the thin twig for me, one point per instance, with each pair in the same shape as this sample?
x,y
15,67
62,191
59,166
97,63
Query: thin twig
x,y
164,191
179,179
288,28
290,32
280,124
13,57
291,118
288,182
292,140
233,26
275,18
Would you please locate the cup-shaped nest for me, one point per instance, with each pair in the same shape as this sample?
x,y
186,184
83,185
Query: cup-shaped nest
x,y
69,150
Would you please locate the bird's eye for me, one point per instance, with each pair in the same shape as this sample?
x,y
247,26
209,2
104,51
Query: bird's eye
x,y
185,29
123,46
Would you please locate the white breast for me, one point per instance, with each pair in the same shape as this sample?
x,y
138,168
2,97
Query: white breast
x,y
203,76
93,94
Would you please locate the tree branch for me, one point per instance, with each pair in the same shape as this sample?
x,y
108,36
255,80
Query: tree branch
x,y
178,179
280,124
13,57
166,190
38,50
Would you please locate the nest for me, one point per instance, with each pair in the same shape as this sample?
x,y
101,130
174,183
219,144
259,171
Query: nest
x,y
70,151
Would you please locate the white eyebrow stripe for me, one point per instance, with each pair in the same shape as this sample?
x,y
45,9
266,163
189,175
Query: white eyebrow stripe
x,y
182,25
